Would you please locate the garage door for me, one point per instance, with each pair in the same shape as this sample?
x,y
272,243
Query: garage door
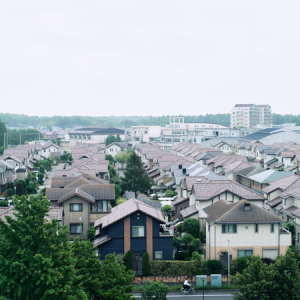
x,y
270,253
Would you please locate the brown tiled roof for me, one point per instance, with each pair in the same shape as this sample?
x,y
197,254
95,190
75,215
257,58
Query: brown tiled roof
x,y
287,154
282,184
274,202
53,194
101,240
189,211
76,192
189,181
77,183
208,190
179,200
125,209
100,191
221,212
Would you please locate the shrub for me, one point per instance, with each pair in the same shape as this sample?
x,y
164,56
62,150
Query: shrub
x,y
238,265
170,193
191,226
155,197
10,192
213,266
128,260
154,290
3,203
20,188
145,264
182,255
175,268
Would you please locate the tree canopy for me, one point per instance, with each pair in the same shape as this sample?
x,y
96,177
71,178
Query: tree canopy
x,y
135,178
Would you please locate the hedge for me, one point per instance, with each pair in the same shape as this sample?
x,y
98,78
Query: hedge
x,y
175,268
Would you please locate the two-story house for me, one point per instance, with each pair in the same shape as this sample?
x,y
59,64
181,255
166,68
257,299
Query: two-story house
x,y
246,228
136,226
83,201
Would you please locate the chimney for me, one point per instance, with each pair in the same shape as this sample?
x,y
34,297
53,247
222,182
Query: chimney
x,y
247,206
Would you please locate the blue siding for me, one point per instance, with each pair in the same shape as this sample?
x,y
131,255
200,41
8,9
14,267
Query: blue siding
x,y
156,226
164,244
114,245
138,244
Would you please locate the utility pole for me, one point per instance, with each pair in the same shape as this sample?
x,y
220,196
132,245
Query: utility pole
x,y
228,263
20,138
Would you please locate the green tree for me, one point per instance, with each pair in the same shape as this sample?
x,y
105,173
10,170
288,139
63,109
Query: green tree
x,y
145,264
116,280
20,187
128,260
110,158
112,171
118,139
191,226
166,208
10,192
2,133
135,178
35,260
170,193
91,233
154,290
110,139
122,157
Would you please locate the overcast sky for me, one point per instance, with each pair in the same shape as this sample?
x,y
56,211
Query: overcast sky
x,y
141,57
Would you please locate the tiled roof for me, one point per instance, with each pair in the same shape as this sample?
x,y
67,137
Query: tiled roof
x,y
205,191
222,213
189,211
269,176
274,202
179,200
282,184
76,192
125,209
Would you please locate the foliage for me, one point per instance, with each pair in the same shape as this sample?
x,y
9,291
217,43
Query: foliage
x,y
182,255
213,266
291,229
20,187
10,192
3,203
41,178
276,281
111,139
66,157
191,226
179,228
106,280
128,260
116,280
154,290
197,256
91,233
155,197
166,208
176,268
43,264
135,178
239,264
146,264
112,170
122,157
3,130
43,192
21,136
109,158
170,193
120,200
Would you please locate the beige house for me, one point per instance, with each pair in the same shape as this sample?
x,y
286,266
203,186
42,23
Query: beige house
x,y
249,229
83,199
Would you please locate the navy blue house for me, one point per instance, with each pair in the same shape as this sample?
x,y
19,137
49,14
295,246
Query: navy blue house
x,y
134,225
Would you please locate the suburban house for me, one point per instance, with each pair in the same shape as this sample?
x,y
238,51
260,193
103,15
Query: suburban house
x,y
48,149
136,226
116,147
207,193
263,179
241,176
84,200
247,228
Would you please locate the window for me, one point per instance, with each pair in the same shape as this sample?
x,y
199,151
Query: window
x,y
229,228
256,228
102,205
75,228
138,231
76,207
158,255
242,253
272,228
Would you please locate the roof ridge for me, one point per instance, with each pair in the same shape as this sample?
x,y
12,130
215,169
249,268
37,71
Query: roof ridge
x,y
234,204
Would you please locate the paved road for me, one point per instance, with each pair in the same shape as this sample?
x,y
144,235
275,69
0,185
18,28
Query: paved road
x,y
207,296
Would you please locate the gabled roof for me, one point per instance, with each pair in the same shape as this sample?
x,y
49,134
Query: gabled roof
x,y
223,212
179,200
120,144
269,176
271,161
189,211
49,144
213,188
282,184
76,192
127,208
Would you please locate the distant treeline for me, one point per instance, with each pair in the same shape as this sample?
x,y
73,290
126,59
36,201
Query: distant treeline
x,y
14,120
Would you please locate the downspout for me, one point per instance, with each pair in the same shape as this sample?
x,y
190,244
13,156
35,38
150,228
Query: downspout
x,y
215,242
279,239
209,241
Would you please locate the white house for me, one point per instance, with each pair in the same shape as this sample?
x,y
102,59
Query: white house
x,y
116,147
248,228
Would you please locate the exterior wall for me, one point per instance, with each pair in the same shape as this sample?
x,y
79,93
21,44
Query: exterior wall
x,y
47,152
245,239
113,150
180,207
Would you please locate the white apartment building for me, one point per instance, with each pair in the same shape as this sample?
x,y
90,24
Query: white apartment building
x,y
251,115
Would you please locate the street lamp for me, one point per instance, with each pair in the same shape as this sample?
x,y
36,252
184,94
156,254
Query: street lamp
x,y
202,278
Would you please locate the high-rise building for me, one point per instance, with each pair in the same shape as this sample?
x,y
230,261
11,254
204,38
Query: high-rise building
x,y
251,115
265,115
